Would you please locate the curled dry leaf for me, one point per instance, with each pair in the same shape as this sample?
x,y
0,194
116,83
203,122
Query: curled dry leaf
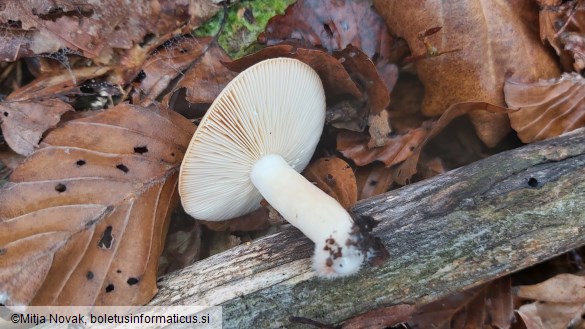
x,y
95,30
563,288
494,39
29,111
335,177
562,24
407,169
162,66
334,25
363,71
89,227
399,147
546,108
202,82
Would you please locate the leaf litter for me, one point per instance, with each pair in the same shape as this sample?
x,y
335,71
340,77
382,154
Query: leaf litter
x,y
380,116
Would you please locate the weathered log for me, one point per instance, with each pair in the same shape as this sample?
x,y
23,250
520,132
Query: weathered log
x,y
445,234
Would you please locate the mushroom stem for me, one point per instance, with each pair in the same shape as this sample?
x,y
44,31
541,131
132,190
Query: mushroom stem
x,y
301,203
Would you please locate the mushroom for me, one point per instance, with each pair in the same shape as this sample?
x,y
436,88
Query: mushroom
x,y
256,137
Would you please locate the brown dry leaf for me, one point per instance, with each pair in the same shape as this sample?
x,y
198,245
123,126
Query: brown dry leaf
x,y
10,159
335,177
29,111
559,302
405,109
540,315
381,318
407,169
486,306
546,108
563,288
332,25
399,147
335,25
162,66
363,71
562,24
24,122
494,39
373,179
202,82
88,229
95,30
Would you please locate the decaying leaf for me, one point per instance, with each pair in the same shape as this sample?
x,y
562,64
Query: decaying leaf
x,y
373,179
332,25
486,306
335,177
202,82
89,227
24,122
495,39
556,303
408,168
29,111
95,30
162,66
547,108
562,24
399,147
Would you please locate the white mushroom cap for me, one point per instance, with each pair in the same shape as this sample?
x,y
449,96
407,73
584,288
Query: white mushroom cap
x,y
274,107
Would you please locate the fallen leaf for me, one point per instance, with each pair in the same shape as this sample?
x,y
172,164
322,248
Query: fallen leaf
x,y
563,288
381,318
562,24
31,110
486,306
397,149
408,168
335,177
540,315
201,83
95,30
546,108
163,66
88,229
405,109
373,179
24,122
363,71
333,25
494,40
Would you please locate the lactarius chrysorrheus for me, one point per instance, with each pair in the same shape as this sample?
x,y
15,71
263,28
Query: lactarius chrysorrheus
x,y
256,137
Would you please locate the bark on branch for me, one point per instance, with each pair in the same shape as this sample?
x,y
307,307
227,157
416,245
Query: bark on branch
x,y
445,234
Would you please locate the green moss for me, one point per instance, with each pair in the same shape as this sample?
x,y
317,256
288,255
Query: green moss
x,y
245,21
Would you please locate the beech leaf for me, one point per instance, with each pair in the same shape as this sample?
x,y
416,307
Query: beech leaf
x,y
493,40
83,219
546,108
335,177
